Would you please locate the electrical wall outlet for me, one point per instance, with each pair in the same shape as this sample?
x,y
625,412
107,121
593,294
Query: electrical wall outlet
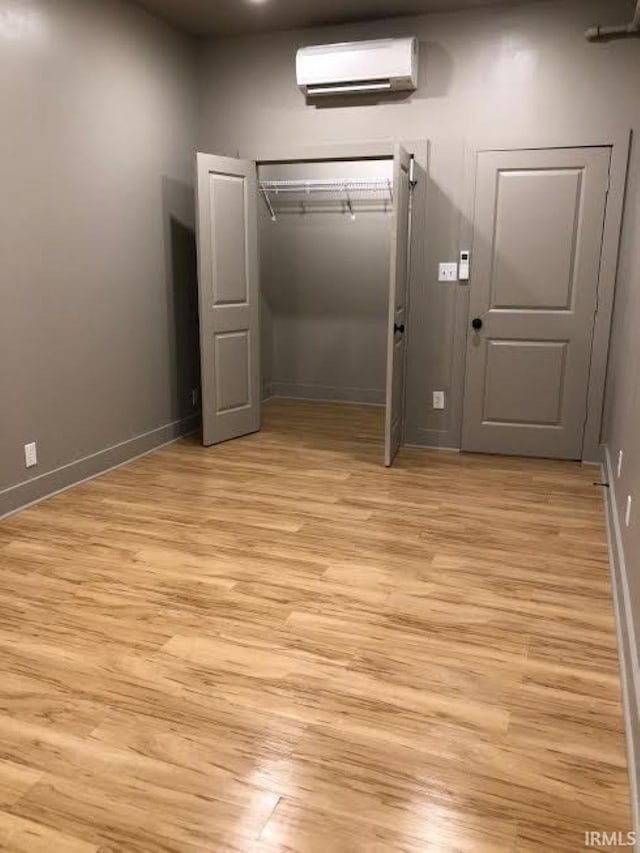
x,y
620,455
447,272
627,515
438,399
30,454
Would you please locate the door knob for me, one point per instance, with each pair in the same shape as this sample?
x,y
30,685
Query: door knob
x,y
398,328
476,323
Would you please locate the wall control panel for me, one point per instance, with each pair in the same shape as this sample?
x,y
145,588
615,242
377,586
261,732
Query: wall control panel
x,y
463,266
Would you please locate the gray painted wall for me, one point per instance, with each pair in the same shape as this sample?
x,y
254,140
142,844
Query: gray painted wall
x,y
622,433
523,73
98,340
622,407
325,283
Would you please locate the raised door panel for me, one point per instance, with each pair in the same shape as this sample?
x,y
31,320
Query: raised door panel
x,y
229,259
538,401
535,240
233,370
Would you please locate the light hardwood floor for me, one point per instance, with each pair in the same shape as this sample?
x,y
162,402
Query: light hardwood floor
x,y
277,644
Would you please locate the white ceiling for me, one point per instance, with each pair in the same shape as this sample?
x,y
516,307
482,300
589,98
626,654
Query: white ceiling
x,y
227,17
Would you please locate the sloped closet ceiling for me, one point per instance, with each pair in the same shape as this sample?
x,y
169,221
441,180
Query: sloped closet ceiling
x,y
228,17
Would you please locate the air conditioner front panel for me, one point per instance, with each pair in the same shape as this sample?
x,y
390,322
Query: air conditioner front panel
x,y
392,61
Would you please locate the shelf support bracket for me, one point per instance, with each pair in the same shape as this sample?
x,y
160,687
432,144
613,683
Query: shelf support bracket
x,y
267,201
349,205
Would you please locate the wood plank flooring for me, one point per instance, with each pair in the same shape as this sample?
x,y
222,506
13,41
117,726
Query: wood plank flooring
x,y
278,645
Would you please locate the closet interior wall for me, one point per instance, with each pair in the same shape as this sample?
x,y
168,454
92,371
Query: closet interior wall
x,y
325,282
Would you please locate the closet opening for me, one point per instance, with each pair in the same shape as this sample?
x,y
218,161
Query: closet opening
x,y
303,268
324,249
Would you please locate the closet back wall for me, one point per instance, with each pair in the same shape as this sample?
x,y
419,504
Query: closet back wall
x,y
325,282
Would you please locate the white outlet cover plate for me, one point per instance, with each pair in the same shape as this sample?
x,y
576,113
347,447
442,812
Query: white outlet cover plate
x,y
30,455
438,399
448,272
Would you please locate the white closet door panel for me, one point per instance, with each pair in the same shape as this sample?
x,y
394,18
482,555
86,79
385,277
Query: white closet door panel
x,y
398,294
229,297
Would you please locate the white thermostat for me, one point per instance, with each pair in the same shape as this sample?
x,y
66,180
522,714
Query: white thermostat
x,y
463,268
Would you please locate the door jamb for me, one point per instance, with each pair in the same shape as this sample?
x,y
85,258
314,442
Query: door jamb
x,y
619,141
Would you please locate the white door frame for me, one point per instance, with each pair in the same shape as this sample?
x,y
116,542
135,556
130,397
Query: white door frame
x,y
619,141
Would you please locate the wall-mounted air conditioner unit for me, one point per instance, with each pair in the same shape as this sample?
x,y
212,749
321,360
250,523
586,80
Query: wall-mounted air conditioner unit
x,y
383,65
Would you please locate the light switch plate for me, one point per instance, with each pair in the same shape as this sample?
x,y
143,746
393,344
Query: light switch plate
x,y
448,272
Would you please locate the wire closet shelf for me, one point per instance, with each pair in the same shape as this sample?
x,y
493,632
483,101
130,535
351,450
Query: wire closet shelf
x,y
346,188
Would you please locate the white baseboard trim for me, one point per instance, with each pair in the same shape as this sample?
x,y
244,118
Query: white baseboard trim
x,y
33,491
431,438
328,393
331,401
627,646
415,446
